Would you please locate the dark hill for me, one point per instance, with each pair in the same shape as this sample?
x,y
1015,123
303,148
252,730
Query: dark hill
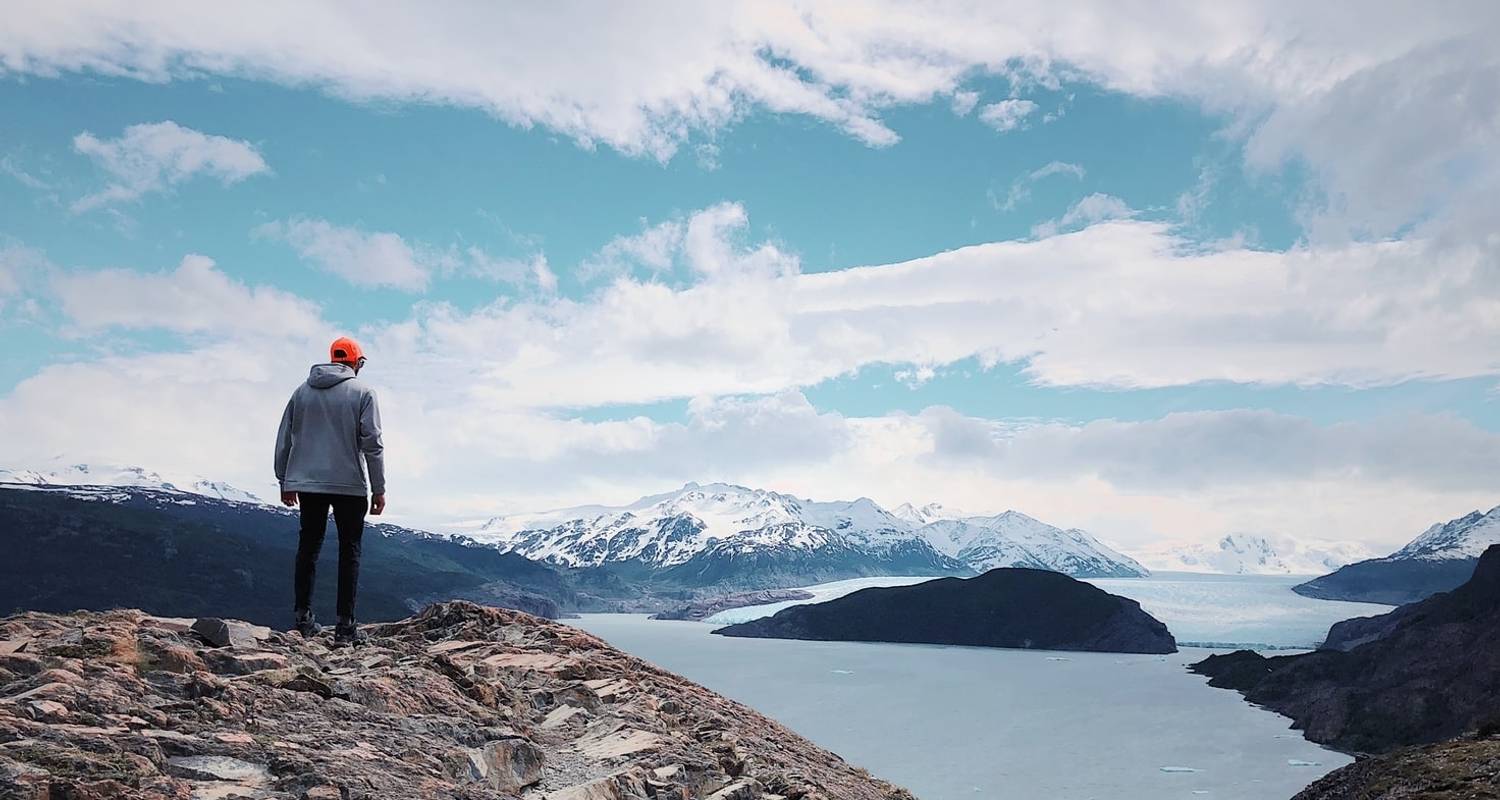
x,y
73,548
1423,673
1391,581
1023,608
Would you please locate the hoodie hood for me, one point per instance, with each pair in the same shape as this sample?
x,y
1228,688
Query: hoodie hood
x,y
323,376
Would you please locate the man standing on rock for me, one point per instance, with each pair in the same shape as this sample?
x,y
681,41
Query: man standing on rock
x,y
329,439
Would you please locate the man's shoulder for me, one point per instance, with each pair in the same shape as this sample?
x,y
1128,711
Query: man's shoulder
x,y
358,387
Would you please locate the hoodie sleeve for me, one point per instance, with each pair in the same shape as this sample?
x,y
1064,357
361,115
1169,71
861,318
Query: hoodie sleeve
x,y
370,444
284,442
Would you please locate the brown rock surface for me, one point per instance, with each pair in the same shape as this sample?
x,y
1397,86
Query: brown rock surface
x,y
1461,769
460,701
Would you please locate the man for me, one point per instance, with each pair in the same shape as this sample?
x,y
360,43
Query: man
x,y
329,439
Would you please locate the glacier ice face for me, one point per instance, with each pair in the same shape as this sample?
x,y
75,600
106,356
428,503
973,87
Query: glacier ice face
x,y
671,529
1250,554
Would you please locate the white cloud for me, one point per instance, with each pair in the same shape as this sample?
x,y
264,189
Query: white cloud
x,y
1193,451
653,250
1020,188
381,258
1096,207
1388,115
964,103
194,298
1123,304
478,402
9,167
454,455
359,257
157,156
1006,115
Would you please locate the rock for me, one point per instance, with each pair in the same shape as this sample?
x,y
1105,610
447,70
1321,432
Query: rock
x,y
508,765
309,684
13,646
561,716
1462,768
618,743
627,785
1021,608
47,711
230,662
220,768
229,633
739,790
176,658
454,702
1421,674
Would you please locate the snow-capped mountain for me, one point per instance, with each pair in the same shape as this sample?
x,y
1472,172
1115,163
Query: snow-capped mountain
x,y
1462,538
700,529
1250,554
1013,539
1441,559
931,512
112,475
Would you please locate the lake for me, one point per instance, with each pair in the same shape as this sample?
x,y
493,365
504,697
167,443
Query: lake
x,y
962,722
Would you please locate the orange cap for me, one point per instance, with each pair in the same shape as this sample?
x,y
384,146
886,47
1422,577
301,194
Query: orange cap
x,y
345,351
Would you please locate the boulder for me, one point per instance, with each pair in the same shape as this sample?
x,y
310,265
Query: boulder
x,y
230,633
629,784
739,790
508,765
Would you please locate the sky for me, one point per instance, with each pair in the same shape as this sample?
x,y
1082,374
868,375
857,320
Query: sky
x,y
1161,271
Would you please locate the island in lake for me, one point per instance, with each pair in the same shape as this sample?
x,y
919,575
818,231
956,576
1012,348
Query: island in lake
x,y
1020,608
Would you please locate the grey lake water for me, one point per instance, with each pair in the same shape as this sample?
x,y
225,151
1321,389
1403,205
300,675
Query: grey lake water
x,y
954,723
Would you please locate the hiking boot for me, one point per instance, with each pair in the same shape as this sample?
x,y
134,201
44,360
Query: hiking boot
x,y
350,634
306,625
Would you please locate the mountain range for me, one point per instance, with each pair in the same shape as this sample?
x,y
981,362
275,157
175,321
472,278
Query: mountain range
x,y
65,474
1440,559
732,535
170,551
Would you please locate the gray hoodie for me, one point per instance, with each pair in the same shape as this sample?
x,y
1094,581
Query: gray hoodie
x,y
330,422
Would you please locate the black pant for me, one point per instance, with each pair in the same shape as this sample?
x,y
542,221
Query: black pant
x,y
349,518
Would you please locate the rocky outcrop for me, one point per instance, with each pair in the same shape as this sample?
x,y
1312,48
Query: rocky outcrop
x,y
1421,674
1389,581
1466,768
460,701
1025,608
699,610
1351,633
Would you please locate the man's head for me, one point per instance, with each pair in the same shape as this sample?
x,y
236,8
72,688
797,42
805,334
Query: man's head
x,y
346,351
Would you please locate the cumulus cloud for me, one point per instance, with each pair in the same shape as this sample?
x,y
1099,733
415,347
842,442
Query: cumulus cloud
x,y
480,402
155,157
1007,115
360,257
1386,120
196,297
385,259
1121,303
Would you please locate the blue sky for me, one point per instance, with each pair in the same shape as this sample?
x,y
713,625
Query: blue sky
x,y
578,272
